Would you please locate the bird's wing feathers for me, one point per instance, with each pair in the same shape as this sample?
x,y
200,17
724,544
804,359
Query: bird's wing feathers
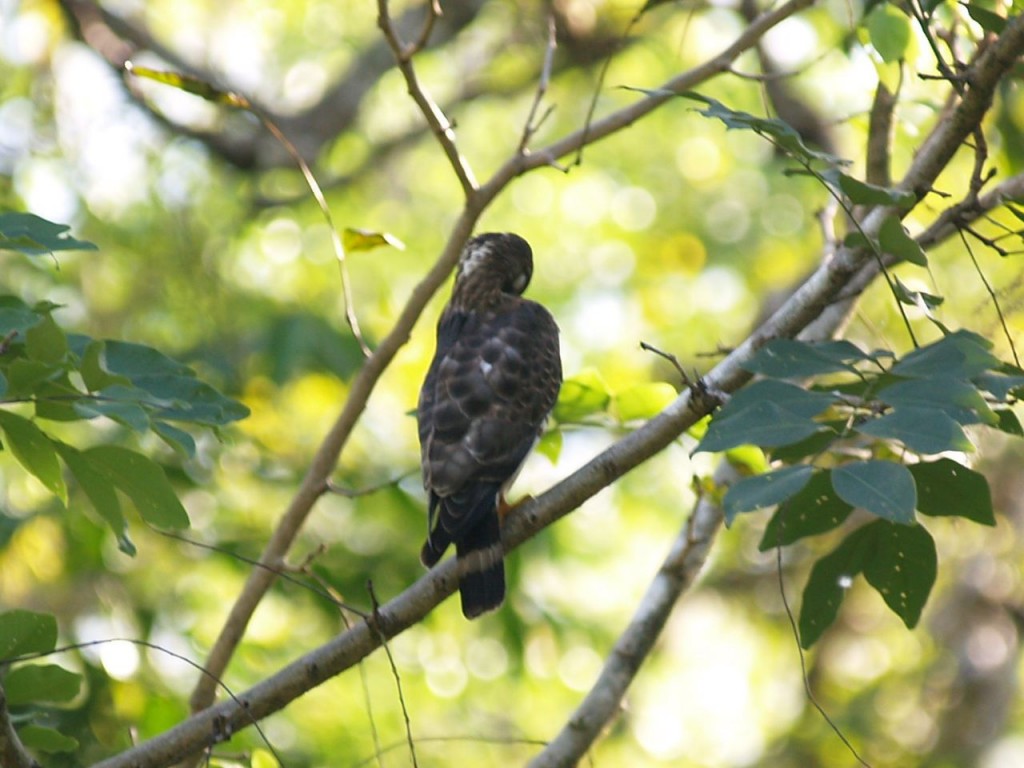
x,y
492,383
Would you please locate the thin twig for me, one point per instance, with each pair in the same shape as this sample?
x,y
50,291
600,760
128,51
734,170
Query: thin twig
x,y
992,295
803,665
374,621
436,119
532,124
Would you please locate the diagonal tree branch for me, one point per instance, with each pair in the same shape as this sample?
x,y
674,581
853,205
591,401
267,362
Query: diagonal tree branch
x,y
314,483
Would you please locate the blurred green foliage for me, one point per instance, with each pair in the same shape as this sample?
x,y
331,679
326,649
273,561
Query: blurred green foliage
x,y
676,232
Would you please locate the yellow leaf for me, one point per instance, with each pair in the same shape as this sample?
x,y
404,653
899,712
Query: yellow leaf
x,y
367,240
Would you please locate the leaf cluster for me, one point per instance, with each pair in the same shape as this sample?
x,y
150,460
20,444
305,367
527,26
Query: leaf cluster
x,y
869,432
49,375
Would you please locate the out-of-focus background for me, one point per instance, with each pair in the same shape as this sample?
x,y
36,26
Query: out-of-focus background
x,y
675,232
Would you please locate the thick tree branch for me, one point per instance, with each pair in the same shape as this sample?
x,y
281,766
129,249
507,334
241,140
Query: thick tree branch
x,y
679,570
315,481
820,290
12,752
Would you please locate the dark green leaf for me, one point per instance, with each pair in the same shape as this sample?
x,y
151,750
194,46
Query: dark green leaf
x,y
926,302
925,430
43,739
40,682
1008,422
34,235
780,132
893,239
999,384
178,439
99,489
987,20
826,586
116,402
16,317
766,413
132,360
26,632
889,31
95,376
790,359
34,451
816,509
960,355
946,488
765,490
957,398
902,568
883,488
862,193
817,443
765,424
143,481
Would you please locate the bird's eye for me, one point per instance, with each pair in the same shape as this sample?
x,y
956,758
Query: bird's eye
x,y
519,284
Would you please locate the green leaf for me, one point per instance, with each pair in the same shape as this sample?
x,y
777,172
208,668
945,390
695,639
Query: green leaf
x,y
143,481
889,31
34,235
792,359
550,445
16,317
779,132
1000,385
642,401
765,490
925,430
180,440
946,488
132,360
26,632
582,395
766,413
959,355
862,193
40,682
95,376
883,488
46,342
765,424
116,402
817,443
893,239
926,302
34,451
987,20
99,489
48,740
815,509
189,84
899,561
1008,422
366,240
957,398
902,568
25,376
826,586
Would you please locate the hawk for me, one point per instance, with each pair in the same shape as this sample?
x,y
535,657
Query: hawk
x,y
489,389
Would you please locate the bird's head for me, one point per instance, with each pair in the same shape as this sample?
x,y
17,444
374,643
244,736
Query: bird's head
x,y
494,262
